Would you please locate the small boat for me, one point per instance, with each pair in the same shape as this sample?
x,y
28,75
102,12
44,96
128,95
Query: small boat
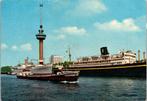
x,y
43,74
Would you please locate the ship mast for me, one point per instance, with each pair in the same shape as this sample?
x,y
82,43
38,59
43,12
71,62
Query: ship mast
x,y
69,54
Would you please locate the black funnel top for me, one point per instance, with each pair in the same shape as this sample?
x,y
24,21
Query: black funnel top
x,y
104,51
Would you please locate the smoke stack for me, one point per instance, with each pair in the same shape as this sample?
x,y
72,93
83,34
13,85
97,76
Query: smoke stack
x,y
138,55
104,51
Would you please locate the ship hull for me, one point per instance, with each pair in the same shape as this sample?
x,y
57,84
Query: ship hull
x,y
51,78
119,72
126,70
59,76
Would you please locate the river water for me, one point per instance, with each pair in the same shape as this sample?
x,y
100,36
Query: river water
x,y
87,89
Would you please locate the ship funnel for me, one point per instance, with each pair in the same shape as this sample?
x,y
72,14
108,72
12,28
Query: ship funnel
x,y
104,51
138,55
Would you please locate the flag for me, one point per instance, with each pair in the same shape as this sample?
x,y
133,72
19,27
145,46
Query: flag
x,y
41,5
66,51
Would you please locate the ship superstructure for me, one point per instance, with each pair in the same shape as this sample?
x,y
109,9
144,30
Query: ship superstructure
x,y
123,57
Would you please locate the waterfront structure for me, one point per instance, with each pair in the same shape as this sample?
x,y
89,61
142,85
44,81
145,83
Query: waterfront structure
x,y
41,36
54,59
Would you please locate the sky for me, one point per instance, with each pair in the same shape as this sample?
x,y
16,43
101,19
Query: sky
x,y
83,25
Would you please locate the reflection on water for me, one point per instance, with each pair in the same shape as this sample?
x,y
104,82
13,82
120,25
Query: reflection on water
x,y
88,89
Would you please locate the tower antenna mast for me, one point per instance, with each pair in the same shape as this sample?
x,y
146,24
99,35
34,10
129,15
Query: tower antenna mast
x,y
41,7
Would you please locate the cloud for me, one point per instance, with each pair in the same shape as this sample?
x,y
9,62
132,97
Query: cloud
x,y
61,36
127,25
23,47
88,8
26,47
63,32
72,30
14,47
3,46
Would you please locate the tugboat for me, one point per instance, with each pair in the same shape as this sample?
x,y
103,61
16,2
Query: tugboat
x,y
44,73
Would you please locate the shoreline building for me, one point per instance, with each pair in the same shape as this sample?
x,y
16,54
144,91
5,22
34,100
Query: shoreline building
x,y
54,59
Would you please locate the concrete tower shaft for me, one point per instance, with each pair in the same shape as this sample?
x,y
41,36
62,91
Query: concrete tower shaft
x,y
40,36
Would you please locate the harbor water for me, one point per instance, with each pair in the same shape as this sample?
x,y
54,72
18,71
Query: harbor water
x,y
87,89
